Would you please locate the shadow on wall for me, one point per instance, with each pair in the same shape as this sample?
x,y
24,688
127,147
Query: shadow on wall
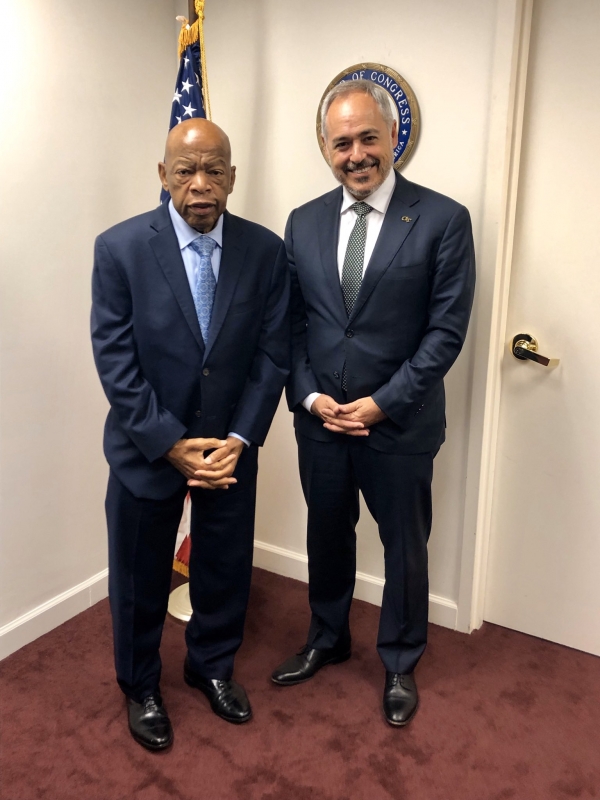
x,y
256,178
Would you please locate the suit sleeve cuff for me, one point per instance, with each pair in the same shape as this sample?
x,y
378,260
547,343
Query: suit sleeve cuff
x,y
241,438
310,399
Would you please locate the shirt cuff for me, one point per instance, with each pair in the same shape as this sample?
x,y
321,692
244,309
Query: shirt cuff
x,y
241,438
310,399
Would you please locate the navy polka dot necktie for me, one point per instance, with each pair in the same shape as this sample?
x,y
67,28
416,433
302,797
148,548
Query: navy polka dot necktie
x,y
352,271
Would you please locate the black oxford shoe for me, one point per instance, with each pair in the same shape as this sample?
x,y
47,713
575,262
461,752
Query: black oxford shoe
x,y
306,663
149,723
227,698
400,698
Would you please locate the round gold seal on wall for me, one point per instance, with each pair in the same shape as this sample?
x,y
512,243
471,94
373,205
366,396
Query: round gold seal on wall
x,y
402,102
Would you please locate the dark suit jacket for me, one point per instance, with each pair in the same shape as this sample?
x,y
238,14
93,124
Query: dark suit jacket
x,y
162,383
407,326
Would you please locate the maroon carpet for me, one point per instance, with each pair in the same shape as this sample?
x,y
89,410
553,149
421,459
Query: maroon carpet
x,y
502,716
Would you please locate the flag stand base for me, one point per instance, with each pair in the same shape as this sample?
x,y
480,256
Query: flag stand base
x,y
179,603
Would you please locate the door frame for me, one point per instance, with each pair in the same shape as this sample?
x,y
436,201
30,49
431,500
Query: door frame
x,y
496,235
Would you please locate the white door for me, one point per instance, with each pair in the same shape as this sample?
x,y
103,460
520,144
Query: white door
x,y
544,560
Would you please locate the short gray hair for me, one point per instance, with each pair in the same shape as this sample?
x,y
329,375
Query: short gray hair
x,y
358,87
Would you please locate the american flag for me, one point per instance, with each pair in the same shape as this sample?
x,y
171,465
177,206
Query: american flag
x,y
187,100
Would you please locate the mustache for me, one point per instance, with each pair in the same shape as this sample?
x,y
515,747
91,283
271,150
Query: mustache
x,y
366,162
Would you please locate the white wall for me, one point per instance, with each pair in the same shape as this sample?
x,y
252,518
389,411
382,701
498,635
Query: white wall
x,y
269,62
86,93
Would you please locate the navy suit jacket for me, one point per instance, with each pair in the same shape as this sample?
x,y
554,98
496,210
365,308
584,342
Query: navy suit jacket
x,y
161,381
408,323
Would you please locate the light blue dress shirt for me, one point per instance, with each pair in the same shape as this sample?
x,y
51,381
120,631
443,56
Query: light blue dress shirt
x,y
185,236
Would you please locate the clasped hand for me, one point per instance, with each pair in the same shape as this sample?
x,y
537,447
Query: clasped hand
x,y
214,471
353,419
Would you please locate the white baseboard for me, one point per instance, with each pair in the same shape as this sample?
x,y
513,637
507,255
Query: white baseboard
x,y
442,611
51,614
59,609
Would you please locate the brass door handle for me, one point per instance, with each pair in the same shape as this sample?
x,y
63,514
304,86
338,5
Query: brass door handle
x,y
524,347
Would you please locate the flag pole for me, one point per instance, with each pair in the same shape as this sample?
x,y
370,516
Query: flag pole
x,y
199,11
192,31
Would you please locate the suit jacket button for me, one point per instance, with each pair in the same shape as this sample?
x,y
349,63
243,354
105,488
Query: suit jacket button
x,y
198,413
336,374
206,372
349,334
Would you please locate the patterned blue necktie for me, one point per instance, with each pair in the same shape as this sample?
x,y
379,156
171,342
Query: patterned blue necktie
x,y
206,284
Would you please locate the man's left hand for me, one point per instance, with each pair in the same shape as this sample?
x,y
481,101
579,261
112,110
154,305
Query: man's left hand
x,y
220,466
364,410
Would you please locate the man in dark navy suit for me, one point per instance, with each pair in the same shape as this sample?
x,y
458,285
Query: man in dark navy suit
x,y
382,285
190,330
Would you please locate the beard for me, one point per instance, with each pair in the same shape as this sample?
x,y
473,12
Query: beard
x,y
351,168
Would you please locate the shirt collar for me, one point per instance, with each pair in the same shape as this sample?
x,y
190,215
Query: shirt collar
x,y
186,234
379,200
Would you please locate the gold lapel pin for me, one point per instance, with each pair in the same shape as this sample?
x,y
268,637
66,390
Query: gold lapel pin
x,y
406,219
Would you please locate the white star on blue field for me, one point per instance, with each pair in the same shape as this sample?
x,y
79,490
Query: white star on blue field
x,y
187,99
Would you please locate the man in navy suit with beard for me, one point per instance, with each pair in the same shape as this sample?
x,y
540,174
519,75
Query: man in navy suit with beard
x,y
382,285
190,330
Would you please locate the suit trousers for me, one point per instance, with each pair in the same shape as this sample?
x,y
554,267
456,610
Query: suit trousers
x,y
397,491
141,542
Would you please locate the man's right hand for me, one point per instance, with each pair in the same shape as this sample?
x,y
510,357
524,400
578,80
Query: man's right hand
x,y
328,410
187,456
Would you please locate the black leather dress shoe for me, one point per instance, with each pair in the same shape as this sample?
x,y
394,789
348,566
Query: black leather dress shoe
x,y
149,722
227,698
306,663
400,698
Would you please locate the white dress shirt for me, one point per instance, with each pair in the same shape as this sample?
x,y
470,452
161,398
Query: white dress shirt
x,y
379,202
185,236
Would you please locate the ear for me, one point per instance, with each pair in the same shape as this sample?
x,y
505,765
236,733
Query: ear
x,y
231,180
162,174
394,134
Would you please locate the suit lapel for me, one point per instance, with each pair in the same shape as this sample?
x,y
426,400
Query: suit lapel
x,y
397,224
166,249
329,231
232,259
